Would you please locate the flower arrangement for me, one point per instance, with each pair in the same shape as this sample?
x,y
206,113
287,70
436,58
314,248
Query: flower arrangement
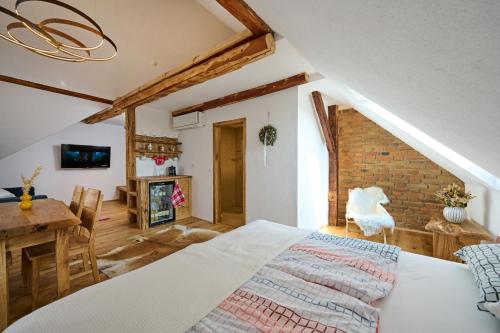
x,y
28,182
454,196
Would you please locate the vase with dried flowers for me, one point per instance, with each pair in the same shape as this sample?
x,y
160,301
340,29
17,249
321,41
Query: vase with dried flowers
x,y
26,203
455,199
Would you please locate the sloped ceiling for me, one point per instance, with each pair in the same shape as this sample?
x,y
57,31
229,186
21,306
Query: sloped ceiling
x,y
433,63
152,37
285,62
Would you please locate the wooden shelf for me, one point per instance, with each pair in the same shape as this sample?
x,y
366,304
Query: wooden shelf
x,y
133,211
144,151
133,194
157,139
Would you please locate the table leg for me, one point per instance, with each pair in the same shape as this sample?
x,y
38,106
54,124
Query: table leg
x,y
4,287
62,262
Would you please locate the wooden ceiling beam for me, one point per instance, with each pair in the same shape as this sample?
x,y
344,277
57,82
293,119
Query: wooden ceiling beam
x,y
333,169
218,49
52,89
214,66
246,15
262,90
323,120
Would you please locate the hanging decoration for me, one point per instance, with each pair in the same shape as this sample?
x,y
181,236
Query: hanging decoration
x,y
268,135
59,44
159,160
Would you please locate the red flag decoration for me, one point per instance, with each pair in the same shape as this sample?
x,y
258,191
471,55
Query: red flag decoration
x,y
177,196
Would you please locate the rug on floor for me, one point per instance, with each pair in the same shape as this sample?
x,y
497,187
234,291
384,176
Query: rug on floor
x,y
149,247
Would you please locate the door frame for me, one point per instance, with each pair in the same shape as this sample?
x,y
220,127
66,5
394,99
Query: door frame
x,y
216,165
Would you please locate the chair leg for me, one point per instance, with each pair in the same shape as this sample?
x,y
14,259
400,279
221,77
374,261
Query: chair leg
x,y
346,227
85,259
35,283
93,262
385,238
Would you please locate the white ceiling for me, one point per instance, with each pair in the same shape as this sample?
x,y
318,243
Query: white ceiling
x,y
166,32
222,14
28,116
435,64
152,37
285,62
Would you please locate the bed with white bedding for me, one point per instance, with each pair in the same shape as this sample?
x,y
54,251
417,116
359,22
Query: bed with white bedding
x,y
175,293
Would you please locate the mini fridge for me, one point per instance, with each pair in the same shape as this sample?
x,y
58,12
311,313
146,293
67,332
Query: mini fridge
x,y
161,209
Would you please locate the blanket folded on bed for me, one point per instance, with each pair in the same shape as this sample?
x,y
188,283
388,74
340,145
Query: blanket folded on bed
x,y
320,284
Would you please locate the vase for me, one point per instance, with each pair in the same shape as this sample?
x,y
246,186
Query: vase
x,y
454,214
26,202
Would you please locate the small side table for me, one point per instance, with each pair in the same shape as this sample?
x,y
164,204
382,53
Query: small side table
x,y
450,237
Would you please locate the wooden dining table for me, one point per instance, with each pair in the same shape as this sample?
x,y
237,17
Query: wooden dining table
x,y
48,220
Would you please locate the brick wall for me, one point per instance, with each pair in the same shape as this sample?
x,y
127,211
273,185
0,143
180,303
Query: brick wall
x,y
369,155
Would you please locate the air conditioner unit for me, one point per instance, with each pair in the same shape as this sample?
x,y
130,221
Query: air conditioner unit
x,y
190,120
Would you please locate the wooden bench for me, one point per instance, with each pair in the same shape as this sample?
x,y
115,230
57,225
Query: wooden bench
x,y
122,193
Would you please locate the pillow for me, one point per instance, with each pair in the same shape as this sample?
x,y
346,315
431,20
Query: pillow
x,y
484,262
5,194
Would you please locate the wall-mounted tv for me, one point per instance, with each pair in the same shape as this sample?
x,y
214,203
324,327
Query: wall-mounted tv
x,y
80,157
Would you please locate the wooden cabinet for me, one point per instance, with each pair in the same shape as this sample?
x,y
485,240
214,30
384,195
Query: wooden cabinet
x,y
184,211
450,237
140,206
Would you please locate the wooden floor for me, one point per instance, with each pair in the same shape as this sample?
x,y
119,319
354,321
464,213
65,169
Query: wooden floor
x,y
419,242
114,230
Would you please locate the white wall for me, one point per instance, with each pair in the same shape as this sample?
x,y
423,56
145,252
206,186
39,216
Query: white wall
x,y
271,190
58,183
153,122
485,208
312,173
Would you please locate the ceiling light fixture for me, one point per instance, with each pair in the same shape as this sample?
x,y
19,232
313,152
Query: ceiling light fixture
x,y
60,45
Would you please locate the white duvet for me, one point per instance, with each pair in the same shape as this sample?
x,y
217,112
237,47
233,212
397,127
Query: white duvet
x,y
174,293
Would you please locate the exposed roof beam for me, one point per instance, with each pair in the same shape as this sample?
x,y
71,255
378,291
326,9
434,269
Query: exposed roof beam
x,y
221,47
323,120
211,67
246,15
262,90
333,122
55,90
333,169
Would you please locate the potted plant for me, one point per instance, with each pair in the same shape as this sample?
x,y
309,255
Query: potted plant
x,y
455,199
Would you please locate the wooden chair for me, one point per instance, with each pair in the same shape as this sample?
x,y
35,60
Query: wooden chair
x,y
76,205
76,201
81,245
76,208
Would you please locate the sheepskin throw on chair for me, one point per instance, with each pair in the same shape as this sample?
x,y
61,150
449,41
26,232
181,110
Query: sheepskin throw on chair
x,y
364,207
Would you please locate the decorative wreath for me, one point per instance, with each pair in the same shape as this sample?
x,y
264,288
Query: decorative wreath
x,y
268,133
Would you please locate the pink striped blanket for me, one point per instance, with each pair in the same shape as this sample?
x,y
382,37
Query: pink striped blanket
x,y
320,284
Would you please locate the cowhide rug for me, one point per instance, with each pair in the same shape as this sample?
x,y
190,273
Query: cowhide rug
x,y
145,249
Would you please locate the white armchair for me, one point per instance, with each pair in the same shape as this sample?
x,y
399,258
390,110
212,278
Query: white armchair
x,y
364,207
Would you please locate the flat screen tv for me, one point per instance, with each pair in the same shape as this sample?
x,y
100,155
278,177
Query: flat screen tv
x,y
80,157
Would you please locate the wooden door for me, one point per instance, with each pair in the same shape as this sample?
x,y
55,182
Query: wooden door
x,y
217,175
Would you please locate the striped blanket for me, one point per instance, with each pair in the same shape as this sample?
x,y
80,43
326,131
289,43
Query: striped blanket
x,y
320,284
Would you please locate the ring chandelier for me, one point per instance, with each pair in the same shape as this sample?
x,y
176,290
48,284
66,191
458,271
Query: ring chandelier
x,y
60,45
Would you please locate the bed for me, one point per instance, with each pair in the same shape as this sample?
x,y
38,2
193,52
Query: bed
x,y
174,293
